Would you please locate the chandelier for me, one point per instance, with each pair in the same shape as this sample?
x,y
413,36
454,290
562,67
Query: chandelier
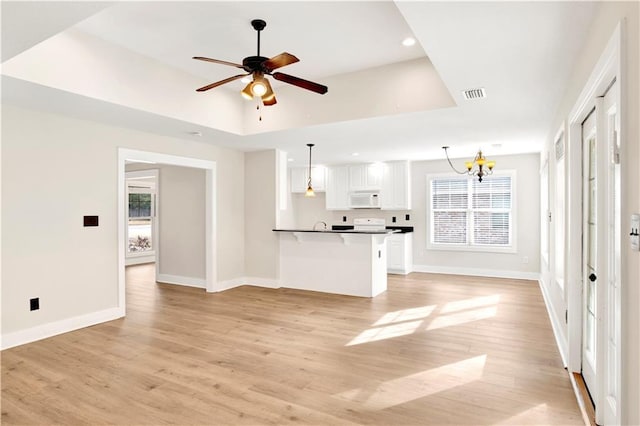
x,y
478,167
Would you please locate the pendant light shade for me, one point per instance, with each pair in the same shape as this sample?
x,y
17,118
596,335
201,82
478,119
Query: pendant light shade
x,y
309,192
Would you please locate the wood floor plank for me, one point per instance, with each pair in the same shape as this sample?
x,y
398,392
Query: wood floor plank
x,y
433,349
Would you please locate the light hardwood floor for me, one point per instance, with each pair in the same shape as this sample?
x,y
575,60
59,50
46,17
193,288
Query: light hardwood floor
x,y
433,349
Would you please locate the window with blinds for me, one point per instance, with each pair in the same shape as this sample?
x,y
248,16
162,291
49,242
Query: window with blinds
x,y
466,212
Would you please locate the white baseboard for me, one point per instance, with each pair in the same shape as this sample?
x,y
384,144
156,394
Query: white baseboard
x,y
50,329
186,281
478,272
229,284
237,282
561,341
262,282
139,260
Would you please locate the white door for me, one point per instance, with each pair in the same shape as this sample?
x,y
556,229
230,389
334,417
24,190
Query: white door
x,y
602,247
590,245
611,338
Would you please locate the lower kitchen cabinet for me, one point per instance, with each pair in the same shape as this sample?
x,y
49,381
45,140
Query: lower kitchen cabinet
x,y
400,253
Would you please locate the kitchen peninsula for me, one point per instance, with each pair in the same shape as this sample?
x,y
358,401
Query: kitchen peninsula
x,y
349,262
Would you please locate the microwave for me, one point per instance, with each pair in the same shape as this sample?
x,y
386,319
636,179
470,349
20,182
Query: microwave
x,y
364,200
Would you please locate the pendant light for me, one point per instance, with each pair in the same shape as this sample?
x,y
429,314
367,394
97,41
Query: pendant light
x,y
475,167
309,192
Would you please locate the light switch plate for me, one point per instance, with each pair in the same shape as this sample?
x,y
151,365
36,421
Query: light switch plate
x,y
634,235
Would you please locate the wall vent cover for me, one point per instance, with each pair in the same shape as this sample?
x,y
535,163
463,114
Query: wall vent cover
x,y
474,93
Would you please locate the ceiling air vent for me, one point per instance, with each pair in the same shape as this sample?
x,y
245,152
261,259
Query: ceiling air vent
x,y
474,93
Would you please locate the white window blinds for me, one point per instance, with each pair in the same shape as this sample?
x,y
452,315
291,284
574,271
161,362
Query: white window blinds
x,y
467,212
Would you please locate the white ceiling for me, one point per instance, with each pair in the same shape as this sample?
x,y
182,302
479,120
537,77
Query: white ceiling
x,y
520,52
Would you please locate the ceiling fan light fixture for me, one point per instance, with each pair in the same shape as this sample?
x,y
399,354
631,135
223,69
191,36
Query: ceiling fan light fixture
x,y
268,94
246,92
258,88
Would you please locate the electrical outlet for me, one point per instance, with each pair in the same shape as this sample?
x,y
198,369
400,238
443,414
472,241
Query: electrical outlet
x,y
407,217
344,218
393,219
34,304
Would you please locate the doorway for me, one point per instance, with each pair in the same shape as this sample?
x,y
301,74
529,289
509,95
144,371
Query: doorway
x,y
209,167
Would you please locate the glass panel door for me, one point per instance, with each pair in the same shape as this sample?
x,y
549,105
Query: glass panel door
x,y
591,246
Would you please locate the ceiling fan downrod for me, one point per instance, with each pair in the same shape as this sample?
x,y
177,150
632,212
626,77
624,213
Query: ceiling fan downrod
x,y
258,25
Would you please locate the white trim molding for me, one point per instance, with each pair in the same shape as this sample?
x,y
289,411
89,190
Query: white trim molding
x,y
478,272
179,280
256,282
561,338
50,329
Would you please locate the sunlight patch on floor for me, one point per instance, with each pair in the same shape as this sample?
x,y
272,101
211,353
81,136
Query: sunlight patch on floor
x,y
409,388
407,321
386,332
472,303
462,317
405,315
533,416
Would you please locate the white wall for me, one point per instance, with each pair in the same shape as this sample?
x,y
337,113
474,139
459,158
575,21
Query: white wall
x,y
484,262
608,16
56,169
261,243
182,222
308,211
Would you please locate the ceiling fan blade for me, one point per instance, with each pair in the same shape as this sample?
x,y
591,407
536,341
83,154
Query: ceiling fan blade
x,y
279,61
220,83
305,84
217,61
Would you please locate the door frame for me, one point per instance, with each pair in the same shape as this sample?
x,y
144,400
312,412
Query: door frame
x,y
609,66
210,211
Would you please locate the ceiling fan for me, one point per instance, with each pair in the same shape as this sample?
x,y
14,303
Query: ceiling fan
x,y
259,66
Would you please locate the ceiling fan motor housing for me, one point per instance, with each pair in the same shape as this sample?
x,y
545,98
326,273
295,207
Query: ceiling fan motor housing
x,y
254,63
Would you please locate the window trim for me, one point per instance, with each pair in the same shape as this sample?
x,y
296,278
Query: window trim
x,y
513,248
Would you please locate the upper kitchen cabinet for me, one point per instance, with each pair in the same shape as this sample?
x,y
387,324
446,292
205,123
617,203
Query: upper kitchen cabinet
x,y
337,197
365,177
300,178
395,193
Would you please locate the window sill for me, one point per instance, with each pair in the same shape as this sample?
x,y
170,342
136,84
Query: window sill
x,y
477,249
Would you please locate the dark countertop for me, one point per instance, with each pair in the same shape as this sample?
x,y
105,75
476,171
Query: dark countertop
x,y
339,231
400,229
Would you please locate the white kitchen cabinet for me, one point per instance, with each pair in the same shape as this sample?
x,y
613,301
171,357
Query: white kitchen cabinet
x,y
300,179
400,253
395,193
365,177
337,188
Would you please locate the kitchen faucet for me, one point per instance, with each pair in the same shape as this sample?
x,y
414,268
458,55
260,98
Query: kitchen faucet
x,y
318,223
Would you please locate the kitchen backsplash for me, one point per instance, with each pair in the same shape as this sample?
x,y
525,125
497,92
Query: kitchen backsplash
x,y
308,211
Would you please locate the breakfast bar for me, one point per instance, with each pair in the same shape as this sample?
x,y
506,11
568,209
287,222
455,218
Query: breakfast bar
x,y
346,262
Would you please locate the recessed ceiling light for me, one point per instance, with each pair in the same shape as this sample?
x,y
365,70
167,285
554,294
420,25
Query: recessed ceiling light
x,y
409,41
355,154
196,133
290,159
